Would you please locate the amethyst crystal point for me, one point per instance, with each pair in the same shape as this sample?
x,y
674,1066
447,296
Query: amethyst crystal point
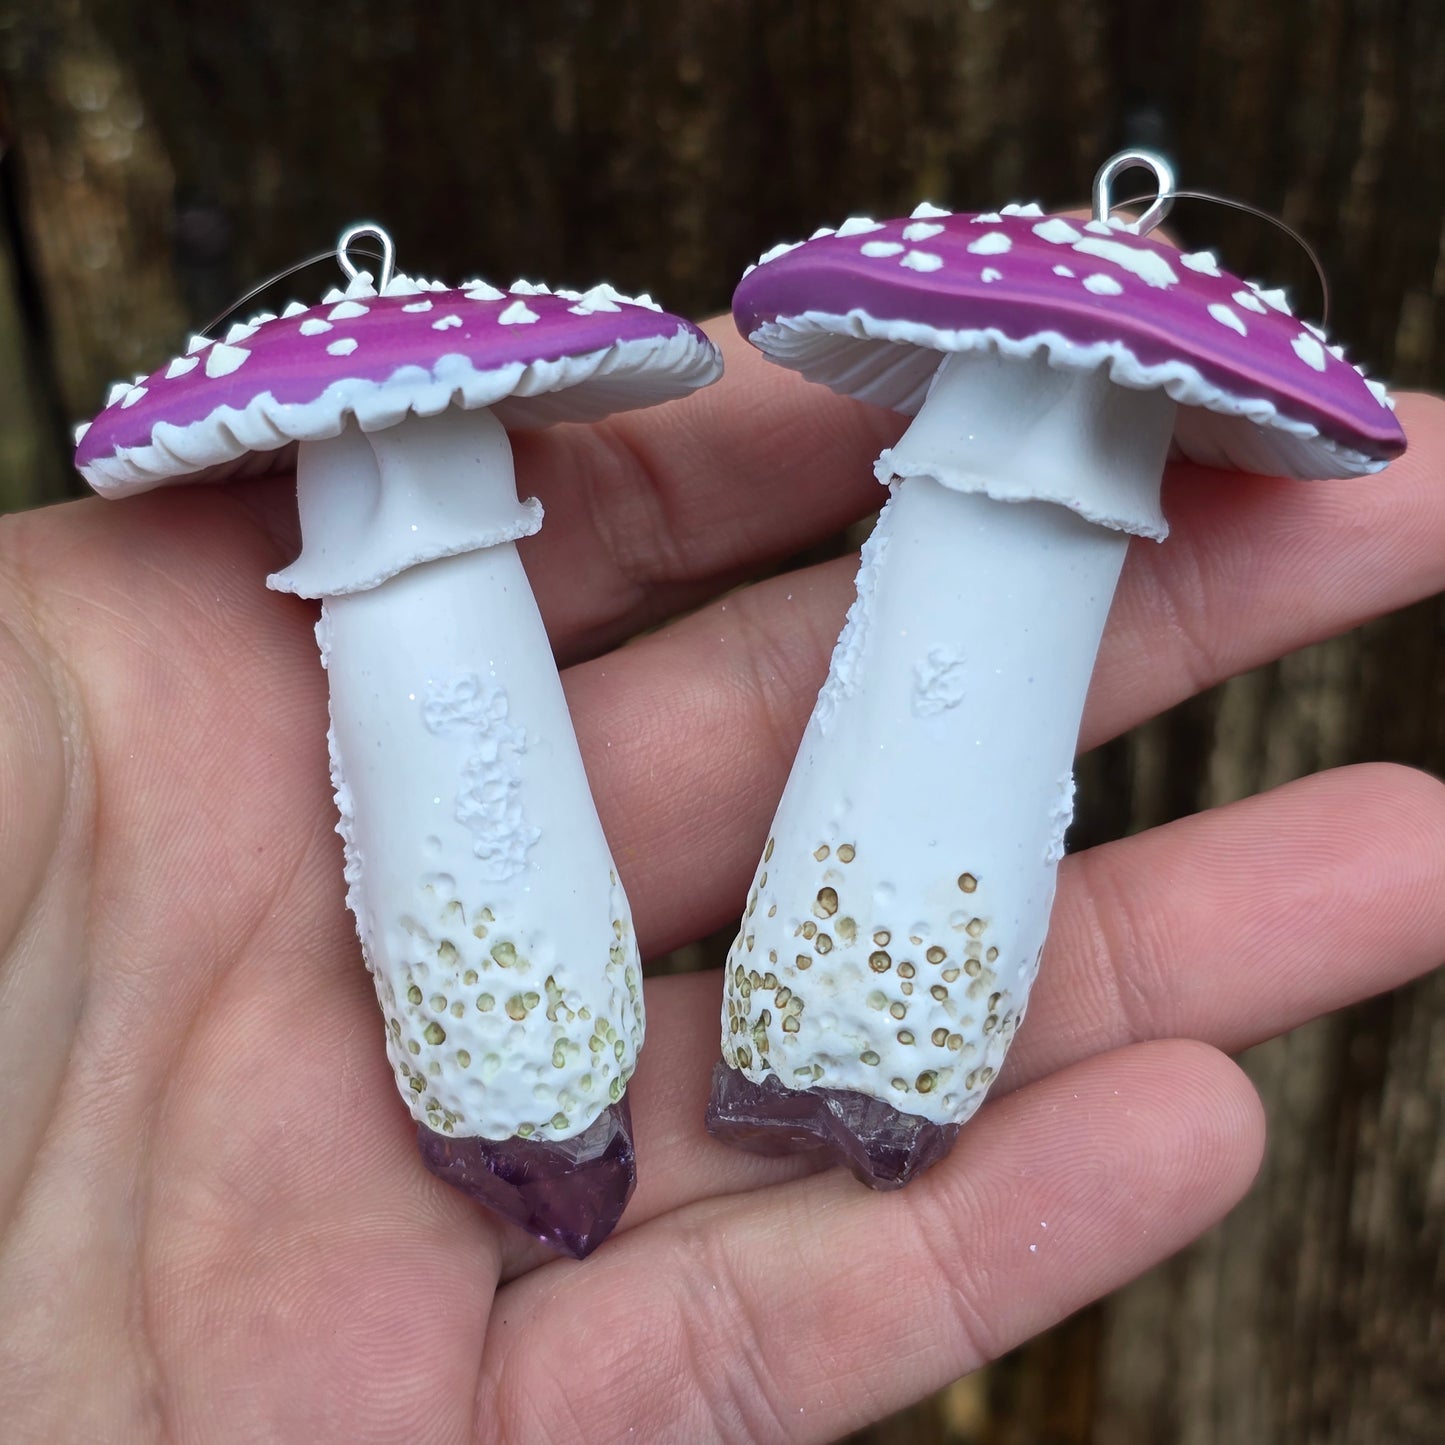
x,y
568,1193
883,1147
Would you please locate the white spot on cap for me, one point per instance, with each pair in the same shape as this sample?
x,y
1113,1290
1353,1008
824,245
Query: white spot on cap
x,y
1275,297
859,226
117,390
921,230
1225,317
821,232
1201,261
781,249
1063,270
989,274
314,326
1099,228
881,248
222,360
1249,301
181,365
985,218
294,308
417,306
1149,266
530,288
518,314
445,323
597,298
922,261
80,430
241,331
401,285
1057,230
1102,285
480,291
1030,208
1377,390
197,343
343,346
347,311
926,210
132,396
991,243
1309,350
1313,330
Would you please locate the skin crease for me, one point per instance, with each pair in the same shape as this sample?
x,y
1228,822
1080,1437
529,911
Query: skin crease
x,y
213,1225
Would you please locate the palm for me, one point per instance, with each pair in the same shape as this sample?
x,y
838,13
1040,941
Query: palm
x,y
215,1223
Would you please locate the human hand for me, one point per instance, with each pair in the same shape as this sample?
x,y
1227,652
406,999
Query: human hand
x,y
215,1224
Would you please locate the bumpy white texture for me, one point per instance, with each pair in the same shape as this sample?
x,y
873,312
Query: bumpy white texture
x,y
242,441
486,897
895,923
861,355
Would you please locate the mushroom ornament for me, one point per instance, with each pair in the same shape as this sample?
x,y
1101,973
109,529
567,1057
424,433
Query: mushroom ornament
x,y
896,920
487,902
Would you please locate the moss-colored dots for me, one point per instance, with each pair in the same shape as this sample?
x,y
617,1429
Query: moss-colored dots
x,y
905,1036
435,1034
974,927
820,852
898,1010
826,903
949,975
935,954
939,1037
823,943
879,961
906,970
967,882
791,1024
869,1057
413,1046
883,938
485,1003
505,954
926,1082
413,994
516,1009
439,1003
803,961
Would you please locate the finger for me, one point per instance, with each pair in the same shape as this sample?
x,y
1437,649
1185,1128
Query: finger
x,y
1241,923
689,734
1229,927
801,1311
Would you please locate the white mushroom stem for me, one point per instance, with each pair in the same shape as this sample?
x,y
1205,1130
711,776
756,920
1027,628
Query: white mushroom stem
x,y
898,914
485,895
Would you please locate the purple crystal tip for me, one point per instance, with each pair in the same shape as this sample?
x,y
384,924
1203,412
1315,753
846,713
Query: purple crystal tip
x,y
882,1146
568,1193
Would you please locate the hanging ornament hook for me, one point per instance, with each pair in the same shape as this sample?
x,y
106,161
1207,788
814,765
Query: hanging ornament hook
x,y
1115,166
367,229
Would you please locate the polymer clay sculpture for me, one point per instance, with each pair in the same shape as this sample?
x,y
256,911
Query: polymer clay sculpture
x,y
895,922
487,901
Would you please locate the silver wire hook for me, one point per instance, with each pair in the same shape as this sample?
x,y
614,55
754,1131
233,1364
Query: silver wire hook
x,y
1116,165
355,233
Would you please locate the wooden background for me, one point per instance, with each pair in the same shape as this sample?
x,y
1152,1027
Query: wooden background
x,y
159,158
